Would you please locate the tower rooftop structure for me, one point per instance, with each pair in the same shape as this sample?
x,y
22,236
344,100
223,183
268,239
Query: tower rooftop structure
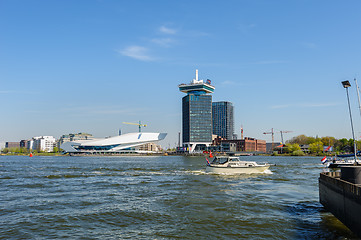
x,y
197,86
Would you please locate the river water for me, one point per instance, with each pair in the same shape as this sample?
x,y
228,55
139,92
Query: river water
x,y
169,197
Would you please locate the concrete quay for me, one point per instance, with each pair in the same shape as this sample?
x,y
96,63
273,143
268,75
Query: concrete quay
x,y
340,193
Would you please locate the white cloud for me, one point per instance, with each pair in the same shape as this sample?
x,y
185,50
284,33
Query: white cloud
x,y
167,30
137,52
164,42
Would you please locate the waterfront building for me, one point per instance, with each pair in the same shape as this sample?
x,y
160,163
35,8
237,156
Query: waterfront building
x,y
253,145
241,145
12,145
197,114
271,146
42,143
125,143
223,120
23,143
149,147
75,137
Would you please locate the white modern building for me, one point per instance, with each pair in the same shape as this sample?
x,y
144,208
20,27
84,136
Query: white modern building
x,y
2,145
117,144
42,143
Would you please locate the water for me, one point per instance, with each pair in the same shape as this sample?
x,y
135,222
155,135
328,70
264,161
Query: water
x,y
160,198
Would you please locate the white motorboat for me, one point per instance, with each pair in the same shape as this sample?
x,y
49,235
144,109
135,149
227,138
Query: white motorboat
x,y
233,165
340,161
337,163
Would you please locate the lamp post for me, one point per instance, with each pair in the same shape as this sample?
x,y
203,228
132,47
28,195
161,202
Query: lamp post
x,y
347,84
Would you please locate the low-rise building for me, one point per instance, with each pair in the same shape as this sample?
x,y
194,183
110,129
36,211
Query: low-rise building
x,y
271,146
75,137
42,143
149,147
12,145
241,145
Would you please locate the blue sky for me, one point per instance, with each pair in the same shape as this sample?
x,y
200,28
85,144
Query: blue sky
x,y
87,66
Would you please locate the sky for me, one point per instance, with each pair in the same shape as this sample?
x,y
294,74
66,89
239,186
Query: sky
x,y
90,65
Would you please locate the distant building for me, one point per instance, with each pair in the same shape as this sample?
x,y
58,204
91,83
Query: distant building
x,y
269,148
75,137
253,145
42,143
223,120
197,114
24,143
216,140
148,147
12,145
241,145
125,143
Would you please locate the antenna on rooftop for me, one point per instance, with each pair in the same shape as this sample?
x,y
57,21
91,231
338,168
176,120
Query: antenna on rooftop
x,y
196,74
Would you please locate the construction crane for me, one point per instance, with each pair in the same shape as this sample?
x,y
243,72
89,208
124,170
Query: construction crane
x,y
273,138
140,125
282,132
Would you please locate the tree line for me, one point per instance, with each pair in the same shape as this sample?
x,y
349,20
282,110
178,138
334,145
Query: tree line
x,y
22,150
316,144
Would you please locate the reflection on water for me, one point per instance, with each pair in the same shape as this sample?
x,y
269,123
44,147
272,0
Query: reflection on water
x,y
161,198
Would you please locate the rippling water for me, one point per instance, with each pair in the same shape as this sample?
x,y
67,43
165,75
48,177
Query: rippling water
x,y
160,198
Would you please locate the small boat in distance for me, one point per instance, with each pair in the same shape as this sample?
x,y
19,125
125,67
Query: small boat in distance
x,y
233,165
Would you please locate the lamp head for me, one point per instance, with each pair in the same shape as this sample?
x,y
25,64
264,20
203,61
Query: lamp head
x,y
346,84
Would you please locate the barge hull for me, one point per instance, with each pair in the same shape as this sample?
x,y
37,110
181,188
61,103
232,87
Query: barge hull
x,y
342,199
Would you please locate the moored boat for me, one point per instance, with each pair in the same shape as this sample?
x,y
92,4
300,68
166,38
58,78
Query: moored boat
x,y
340,161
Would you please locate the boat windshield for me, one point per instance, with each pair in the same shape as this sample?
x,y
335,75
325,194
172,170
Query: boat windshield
x,y
220,160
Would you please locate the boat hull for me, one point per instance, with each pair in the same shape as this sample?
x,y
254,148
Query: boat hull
x,y
237,170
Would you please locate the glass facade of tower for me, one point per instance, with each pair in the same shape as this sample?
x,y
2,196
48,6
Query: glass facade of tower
x,y
197,117
222,118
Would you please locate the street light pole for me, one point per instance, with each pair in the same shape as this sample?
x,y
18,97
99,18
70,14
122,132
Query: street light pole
x,y
347,84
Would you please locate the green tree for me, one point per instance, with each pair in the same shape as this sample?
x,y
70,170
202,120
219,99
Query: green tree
x,y
293,147
303,140
300,139
316,147
328,141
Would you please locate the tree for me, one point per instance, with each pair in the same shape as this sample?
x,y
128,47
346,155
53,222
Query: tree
x,y
293,147
316,147
300,139
303,140
328,141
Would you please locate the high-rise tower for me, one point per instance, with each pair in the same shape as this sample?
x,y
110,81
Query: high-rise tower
x,y
197,114
223,120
